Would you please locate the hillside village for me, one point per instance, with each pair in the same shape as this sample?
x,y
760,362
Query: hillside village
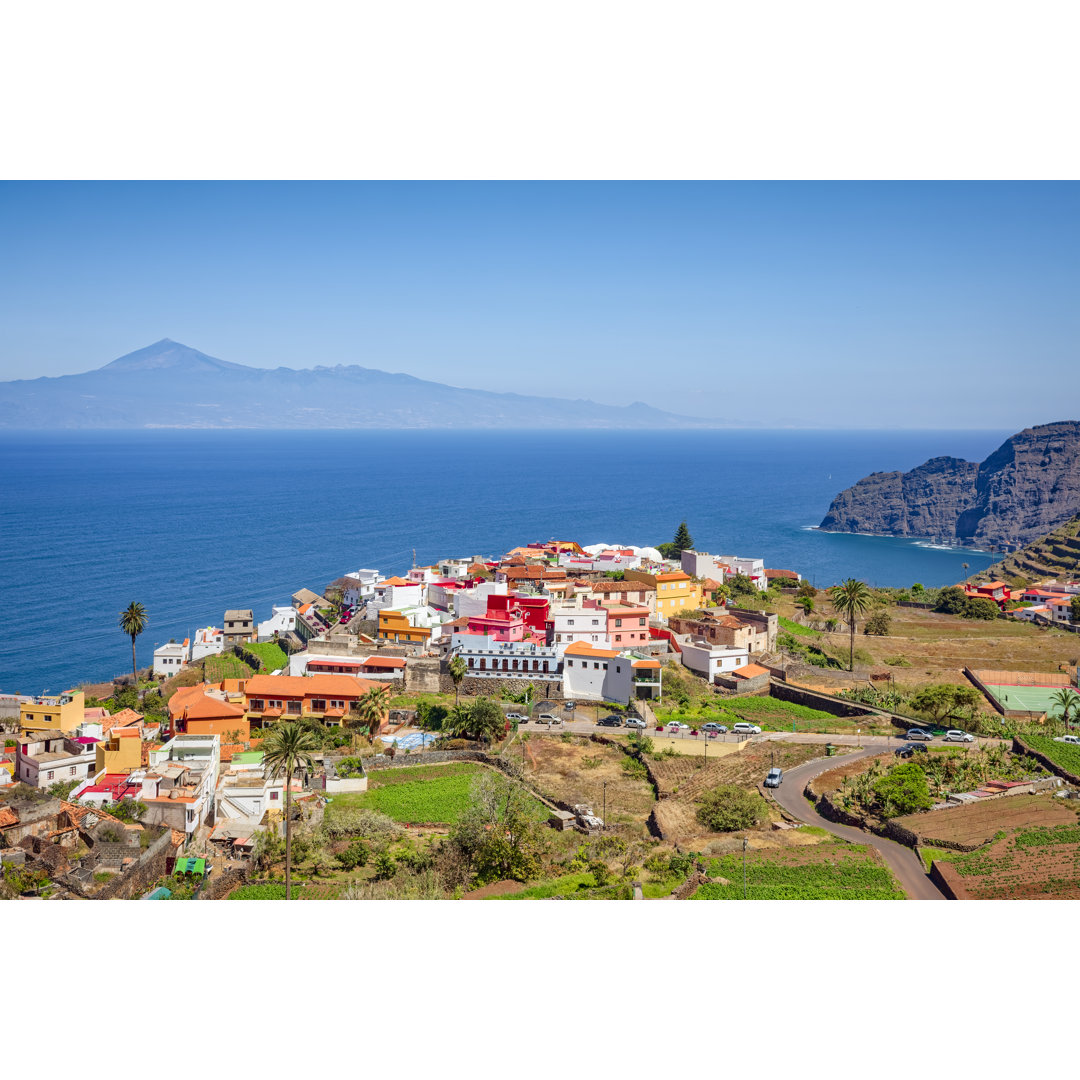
x,y
656,677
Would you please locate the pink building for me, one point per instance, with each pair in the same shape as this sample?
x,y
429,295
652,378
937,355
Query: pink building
x,y
628,625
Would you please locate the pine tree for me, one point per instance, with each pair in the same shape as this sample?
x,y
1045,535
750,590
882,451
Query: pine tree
x,y
683,541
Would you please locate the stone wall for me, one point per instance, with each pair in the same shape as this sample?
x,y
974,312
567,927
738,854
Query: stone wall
x,y
813,700
141,875
475,687
222,884
423,674
1020,747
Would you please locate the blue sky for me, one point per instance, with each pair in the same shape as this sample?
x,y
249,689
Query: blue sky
x,y
849,305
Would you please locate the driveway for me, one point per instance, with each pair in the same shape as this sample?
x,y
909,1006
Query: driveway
x,y
906,866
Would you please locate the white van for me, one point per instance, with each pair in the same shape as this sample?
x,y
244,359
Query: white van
x,y
743,728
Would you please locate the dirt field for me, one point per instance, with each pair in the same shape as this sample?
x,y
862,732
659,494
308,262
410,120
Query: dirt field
x,y
1020,866
939,646
576,772
830,781
685,779
977,823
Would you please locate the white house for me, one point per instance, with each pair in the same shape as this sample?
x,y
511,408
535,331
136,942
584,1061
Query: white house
x,y
1061,609
473,603
596,674
720,567
456,569
487,658
244,791
709,660
364,588
170,658
567,625
49,757
394,592
209,641
281,622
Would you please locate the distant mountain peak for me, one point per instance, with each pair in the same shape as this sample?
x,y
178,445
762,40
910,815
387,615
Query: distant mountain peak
x,y
167,353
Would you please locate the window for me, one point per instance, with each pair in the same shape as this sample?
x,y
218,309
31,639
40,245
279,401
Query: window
x,y
618,637
596,666
569,663
50,774
569,622
273,796
293,707
319,704
618,622
71,771
641,622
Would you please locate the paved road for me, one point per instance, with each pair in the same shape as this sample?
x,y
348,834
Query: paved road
x,y
906,866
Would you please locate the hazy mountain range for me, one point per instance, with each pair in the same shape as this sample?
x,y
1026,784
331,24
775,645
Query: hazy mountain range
x,y
172,385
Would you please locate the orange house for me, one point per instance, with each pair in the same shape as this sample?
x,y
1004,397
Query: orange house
x,y
326,697
207,710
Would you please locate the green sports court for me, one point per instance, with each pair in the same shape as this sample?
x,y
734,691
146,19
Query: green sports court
x,y
1022,691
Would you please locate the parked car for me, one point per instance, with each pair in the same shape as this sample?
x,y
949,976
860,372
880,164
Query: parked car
x,y
919,733
571,705
910,749
610,721
743,728
713,728
674,725
956,735
516,716
774,778
1073,740
635,722
548,718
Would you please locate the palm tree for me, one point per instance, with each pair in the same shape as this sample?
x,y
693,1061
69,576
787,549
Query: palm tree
x,y
851,598
288,749
370,709
457,672
1067,701
133,620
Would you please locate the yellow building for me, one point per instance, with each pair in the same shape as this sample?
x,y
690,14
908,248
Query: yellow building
x,y
120,753
675,591
394,625
60,712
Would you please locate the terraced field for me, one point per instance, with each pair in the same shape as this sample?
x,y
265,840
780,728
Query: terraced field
x,y
1029,864
976,824
844,872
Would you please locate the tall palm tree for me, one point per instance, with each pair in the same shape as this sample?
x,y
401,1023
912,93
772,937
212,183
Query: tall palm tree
x,y
370,709
1067,702
133,620
457,670
288,749
851,598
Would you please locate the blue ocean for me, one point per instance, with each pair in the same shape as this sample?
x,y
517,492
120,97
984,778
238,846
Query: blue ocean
x,y
190,523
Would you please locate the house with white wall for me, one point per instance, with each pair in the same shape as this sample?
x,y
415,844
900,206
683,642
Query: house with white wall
x,y
701,564
487,658
709,660
49,757
208,641
282,621
588,624
394,592
596,674
244,790
360,588
171,657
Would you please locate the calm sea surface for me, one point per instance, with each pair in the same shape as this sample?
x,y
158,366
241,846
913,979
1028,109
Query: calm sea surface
x,y
190,523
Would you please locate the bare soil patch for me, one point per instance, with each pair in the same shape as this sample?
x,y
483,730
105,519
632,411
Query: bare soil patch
x,y
576,772
828,782
975,824
496,888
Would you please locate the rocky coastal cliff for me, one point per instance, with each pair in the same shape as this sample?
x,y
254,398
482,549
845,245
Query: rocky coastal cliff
x,y
1023,490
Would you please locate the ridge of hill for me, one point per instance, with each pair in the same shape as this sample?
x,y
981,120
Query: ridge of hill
x,y
170,385
1055,555
1025,488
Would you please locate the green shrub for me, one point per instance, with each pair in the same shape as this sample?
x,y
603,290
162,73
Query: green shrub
x,y
728,808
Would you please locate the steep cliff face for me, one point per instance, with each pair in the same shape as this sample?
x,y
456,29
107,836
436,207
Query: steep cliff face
x,y
1030,484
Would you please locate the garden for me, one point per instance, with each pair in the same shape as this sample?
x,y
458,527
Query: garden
x,y
828,872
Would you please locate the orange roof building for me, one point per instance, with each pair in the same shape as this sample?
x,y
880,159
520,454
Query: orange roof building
x,y
327,697
206,710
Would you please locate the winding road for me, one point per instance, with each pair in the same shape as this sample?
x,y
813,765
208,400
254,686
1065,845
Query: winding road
x,y
906,866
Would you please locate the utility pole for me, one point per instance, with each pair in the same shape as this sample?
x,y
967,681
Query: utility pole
x,y
605,803
744,843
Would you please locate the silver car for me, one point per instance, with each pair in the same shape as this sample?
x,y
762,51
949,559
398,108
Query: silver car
x,y
956,735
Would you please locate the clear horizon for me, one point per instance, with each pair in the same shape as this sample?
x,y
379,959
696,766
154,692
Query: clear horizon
x,y
784,305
